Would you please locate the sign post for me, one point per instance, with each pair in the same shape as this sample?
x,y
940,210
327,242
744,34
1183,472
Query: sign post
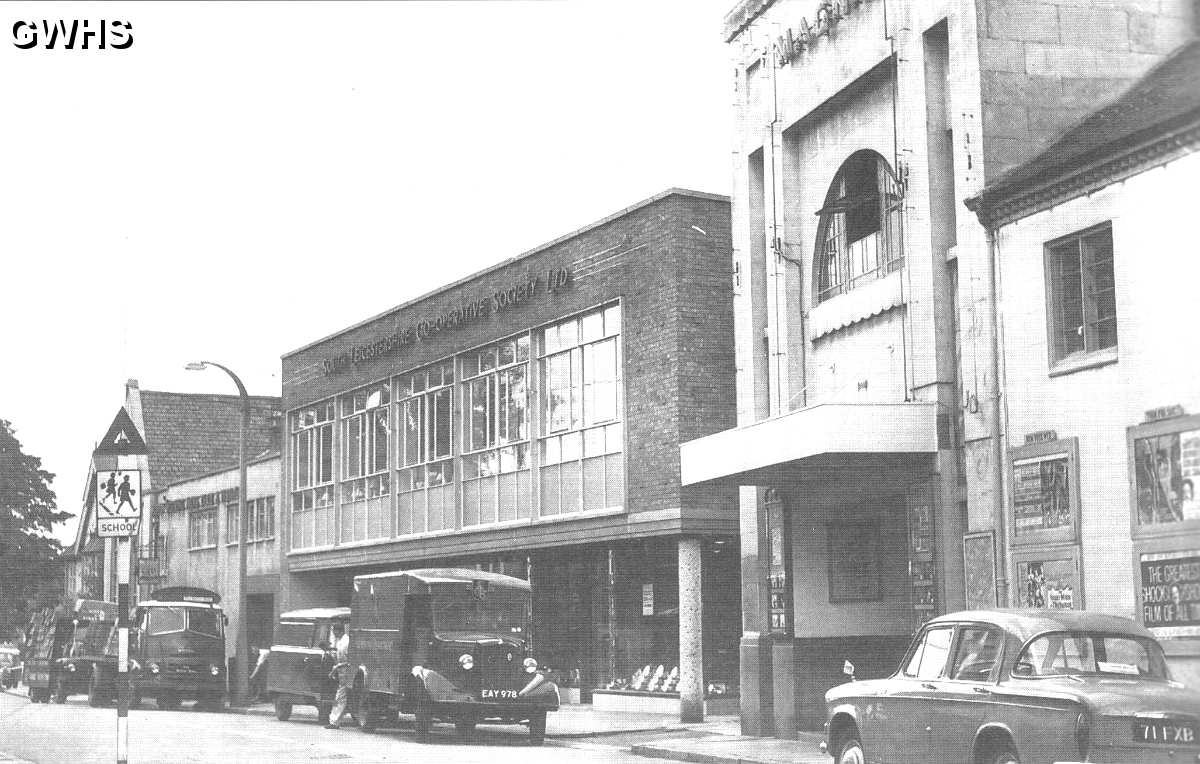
x,y
118,515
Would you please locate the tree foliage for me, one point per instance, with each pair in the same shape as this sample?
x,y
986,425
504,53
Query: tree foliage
x,y
29,552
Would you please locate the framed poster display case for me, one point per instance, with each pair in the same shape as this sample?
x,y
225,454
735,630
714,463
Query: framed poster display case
x,y
1045,493
1164,474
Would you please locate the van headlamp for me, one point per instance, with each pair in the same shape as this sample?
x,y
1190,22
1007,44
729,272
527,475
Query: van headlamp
x,y
530,665
467,661
215,670
70,667
153,668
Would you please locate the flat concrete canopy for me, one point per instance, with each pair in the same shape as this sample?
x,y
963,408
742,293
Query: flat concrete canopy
x,y
834,450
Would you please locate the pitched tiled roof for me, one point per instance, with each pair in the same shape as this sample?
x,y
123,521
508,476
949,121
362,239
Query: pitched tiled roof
x,y
1163,101
190,435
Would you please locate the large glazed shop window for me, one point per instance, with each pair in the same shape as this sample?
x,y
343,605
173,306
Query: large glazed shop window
x,y
582,467
312,475
425,480
858,238
365,487
495,462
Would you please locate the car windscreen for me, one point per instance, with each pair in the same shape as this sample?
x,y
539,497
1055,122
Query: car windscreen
x,y
170,619
1090,653
499,611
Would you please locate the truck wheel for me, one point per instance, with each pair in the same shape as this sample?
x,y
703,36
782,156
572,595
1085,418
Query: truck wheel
x,y
95,694
323,711
60,690
167,701
424,722
283,710
537,729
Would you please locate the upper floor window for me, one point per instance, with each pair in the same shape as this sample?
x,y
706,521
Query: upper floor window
x,y
582,371
365,431
425,402
202,528
496,390
260,522
312,445
858,238
1081,293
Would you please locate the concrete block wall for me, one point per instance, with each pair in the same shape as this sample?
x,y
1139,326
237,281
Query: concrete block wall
x,y
1045,64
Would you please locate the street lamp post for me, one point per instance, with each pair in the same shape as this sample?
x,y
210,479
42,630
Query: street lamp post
x,y
240,686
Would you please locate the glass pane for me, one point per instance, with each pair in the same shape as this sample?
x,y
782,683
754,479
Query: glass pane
x,y
551,450
558,392
508,459
568,333
508,353
325,456
480,414
352,446
576,392
592,326
570,446
487,360
441,423
411,431
517,425
302,444
379,447
448,373
593,441
523,348
613,439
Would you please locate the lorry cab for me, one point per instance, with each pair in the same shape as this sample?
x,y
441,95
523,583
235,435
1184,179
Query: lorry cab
x,y
10,665
177,649
301,659
66,646
447,644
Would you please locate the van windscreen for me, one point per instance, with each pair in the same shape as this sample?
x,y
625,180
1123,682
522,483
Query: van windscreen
x,y
499,611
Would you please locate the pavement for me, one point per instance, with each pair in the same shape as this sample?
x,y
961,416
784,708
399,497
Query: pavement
x,y
717,740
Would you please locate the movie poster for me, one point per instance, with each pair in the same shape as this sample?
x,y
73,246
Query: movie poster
x,y
1166,471
1041,494
1171,593
1048,584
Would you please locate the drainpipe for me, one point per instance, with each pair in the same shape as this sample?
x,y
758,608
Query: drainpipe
x,y
999,425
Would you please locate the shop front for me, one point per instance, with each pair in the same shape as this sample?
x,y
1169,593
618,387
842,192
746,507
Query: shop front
x,y
527,420
848,540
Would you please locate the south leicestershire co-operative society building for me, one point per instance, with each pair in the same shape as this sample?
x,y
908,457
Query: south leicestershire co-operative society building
x,y
526,420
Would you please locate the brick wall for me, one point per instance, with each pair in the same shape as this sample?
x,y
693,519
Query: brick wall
x,y
674,283
1045,64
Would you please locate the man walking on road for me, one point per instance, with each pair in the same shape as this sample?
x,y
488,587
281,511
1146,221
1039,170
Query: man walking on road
x,y
341,671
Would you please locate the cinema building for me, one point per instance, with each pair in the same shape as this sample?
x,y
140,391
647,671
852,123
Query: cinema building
x,y
526,420
870,445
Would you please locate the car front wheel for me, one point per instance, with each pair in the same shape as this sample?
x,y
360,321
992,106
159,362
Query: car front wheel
x,y
851,752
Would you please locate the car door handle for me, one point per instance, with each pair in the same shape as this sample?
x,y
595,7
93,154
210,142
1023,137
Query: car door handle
x,y
929,685
981,690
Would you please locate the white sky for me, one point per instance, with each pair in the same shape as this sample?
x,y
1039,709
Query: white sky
x,y
247,178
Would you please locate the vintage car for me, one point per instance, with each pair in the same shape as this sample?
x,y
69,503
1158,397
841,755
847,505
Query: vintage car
x,y
10,665
1019,686
446,644
299,662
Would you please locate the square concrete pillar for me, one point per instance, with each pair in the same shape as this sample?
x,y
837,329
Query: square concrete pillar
x,y
691,632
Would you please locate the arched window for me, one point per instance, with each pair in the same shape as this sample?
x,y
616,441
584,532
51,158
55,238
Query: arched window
x,y
858,239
